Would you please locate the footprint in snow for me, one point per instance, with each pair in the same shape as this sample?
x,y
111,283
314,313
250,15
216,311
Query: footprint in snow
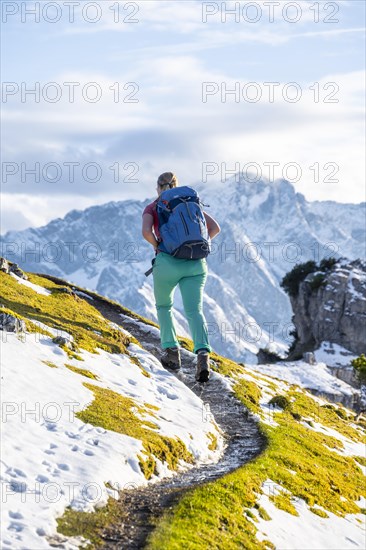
x,y
101,430
51,426
88,453
42,479
51,468
15,515
15,472
49,451
18,486
16,526
93,441
64,467
167,393
72,435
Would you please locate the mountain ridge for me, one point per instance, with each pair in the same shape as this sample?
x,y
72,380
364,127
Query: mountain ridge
x,y
266,229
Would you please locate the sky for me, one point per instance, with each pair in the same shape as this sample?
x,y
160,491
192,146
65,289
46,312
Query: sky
x,y
123,91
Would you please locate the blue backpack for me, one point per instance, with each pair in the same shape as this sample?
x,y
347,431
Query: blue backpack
x,y
182,224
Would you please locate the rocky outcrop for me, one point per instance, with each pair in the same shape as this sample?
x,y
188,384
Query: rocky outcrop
x,y
10,267
10,323
331,306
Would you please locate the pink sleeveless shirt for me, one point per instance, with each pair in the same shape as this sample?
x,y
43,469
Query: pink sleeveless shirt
x,y
151,209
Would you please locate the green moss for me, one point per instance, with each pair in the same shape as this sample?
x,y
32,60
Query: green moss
x,y
327,415
186,343
211,517
89,525
250,515
249,393
360,460
135,360
280,401
50,364
283,502
147,465
117,306
225,366
152,407
262,512
319,512
342,413
29,325
113,411
62,311
83,372
213,445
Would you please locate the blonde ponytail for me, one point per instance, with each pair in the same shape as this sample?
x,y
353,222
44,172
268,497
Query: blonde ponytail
x,y
167,180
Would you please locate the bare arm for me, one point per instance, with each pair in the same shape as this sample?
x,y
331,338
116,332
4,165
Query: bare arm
x,y
147,232
212,226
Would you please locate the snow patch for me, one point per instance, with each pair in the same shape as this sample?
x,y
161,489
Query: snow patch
x,y
51,459
37,288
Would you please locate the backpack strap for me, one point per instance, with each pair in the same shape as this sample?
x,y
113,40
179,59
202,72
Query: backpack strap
x,y
149,271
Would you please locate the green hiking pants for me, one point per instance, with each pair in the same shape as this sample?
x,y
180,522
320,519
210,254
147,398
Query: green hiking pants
x,y
190,275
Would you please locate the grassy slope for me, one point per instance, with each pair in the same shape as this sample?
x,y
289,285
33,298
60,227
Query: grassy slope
x,y
222,513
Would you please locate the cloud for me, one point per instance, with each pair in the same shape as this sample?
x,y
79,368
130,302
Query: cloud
x,y
168,55
21,210
172,129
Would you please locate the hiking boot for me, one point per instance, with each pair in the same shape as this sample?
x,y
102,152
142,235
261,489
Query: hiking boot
x,y
171,358
203,365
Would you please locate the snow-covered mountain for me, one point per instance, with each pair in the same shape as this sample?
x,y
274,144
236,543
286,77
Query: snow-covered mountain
x,y
266,228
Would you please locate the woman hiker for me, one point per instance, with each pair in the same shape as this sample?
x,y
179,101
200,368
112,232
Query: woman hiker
x,y
191,277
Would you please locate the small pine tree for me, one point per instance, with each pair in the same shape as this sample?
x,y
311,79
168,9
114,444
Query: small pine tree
x,y
359,364
291,281
327,263
317,281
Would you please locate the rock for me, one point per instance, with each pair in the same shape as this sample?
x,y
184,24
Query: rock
x,y
265,356
363,397
62,341
347,374
67,290
4,265
14,268
10,323
309,358
331,306
351,401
